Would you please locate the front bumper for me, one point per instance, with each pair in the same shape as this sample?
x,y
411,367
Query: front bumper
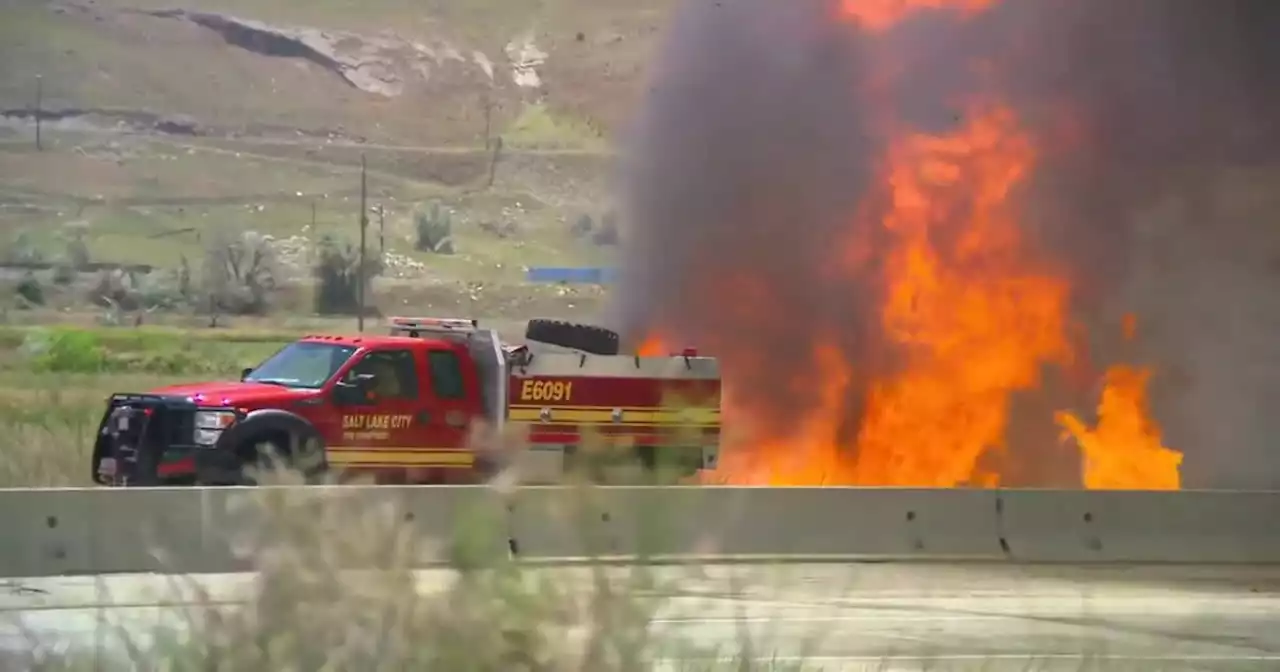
x,y
147,440
217,466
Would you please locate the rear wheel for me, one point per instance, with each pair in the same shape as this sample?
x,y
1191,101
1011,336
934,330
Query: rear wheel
x,y
584,337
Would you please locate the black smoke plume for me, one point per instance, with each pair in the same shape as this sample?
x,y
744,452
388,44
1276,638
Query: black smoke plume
x,y
755,148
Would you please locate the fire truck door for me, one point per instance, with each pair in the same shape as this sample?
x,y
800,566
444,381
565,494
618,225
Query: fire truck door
x,y
454,400
388,430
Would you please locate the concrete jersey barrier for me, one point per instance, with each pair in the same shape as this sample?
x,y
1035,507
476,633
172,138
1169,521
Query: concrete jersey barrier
x,y
755,523
1200,527
201,530
214,530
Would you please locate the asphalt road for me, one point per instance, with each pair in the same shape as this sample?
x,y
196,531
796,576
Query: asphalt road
x,y
875,616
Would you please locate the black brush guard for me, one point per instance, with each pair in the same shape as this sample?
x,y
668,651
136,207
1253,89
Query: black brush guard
x,y
138,432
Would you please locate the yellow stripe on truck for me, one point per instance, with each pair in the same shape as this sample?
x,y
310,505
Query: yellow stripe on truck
x,y
579,415
399,457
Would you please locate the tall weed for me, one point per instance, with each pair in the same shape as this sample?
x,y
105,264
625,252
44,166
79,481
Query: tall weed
x,y
64,351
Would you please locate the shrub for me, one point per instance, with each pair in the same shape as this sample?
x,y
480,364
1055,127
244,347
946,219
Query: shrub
x,y
115,289
63,274
337,273
23,251
75,249
434,230
64,351
240,273
29,291
582,226
167,289
607,233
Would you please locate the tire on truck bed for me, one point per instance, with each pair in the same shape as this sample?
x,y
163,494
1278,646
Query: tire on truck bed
x,y
584,337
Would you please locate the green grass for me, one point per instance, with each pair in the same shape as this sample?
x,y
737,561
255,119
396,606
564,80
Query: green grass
x,y
54,381
541,128
54,384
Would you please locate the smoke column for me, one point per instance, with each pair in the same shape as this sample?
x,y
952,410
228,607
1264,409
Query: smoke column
x,y
1159,126
748,159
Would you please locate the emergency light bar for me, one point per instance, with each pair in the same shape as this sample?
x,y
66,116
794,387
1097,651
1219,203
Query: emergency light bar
x,y
414,325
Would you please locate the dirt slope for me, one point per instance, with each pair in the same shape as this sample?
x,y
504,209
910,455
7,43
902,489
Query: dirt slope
x,y
565,71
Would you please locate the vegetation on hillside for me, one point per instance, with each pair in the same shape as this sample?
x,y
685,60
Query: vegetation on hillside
x,y
145,165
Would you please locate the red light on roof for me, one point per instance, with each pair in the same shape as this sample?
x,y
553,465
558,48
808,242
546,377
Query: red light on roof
x,y
689,352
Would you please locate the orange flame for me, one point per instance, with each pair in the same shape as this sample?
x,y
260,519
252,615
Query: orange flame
x,y
881,15
811,456
652,346
975,317
1125,451
976,324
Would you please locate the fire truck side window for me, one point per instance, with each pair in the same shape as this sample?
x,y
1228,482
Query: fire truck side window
x,y
394,374
446,374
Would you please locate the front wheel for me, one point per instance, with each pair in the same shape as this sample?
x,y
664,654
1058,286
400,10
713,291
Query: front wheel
x,y
286,459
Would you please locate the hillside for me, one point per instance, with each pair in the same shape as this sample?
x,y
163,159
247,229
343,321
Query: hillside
x,y
429,66
164,123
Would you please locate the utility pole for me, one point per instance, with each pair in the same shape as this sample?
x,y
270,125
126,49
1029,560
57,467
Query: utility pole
x,y
39,111
488,118
315,235
382,230
364,223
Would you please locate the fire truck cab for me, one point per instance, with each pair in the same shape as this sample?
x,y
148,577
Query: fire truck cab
x,y
438,400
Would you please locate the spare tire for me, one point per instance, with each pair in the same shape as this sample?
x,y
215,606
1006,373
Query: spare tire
x,y
584,337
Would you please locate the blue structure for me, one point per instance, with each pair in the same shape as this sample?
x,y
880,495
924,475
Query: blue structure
x,y
572,276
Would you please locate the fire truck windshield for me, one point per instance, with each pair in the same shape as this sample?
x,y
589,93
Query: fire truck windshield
x,y
304,364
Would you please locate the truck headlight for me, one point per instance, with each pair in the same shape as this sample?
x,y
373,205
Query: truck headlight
x,y
209,426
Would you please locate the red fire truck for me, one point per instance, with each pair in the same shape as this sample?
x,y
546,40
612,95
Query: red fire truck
x,y
404,408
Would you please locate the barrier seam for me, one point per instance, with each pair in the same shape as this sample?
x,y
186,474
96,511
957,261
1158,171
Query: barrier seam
x,y
1000,535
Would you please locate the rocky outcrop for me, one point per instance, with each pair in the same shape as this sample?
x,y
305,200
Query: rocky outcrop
x,y
360,61
375,64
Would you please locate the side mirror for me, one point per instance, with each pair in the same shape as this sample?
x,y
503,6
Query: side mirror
x,y
354,391
244,373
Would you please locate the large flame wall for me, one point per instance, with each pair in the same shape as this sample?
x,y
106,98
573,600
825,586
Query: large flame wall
x,y
883,226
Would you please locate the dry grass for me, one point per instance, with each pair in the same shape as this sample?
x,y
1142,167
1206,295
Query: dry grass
x,y
108,59
287,137
153,202
336,588
353,601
